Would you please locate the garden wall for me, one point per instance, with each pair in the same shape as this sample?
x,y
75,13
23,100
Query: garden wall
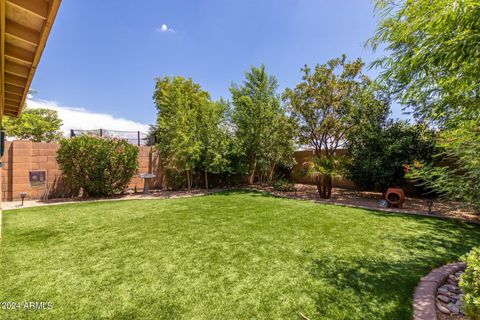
x,y
305,156
23,158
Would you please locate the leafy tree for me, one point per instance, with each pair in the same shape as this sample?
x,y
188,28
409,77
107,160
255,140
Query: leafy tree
x,y
432,67
216,142
328,105
434,49
152,135
264,134
378,155
101,166
39,125
179,103
460,149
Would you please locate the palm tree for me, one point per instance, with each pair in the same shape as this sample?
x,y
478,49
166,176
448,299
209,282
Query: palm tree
x,y
324,170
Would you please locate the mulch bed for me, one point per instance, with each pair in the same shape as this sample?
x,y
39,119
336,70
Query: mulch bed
x,y
370,200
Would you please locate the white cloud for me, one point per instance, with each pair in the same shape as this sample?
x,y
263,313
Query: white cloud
x,y
80,118
165,28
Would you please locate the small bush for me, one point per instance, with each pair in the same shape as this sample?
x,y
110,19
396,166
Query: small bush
x,y
174,179
100,166
470,284
283,185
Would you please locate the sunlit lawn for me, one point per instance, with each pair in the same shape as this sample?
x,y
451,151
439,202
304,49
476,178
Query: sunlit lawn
x,y
233,255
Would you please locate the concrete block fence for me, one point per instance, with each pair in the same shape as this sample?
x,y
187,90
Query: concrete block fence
x,y
22,157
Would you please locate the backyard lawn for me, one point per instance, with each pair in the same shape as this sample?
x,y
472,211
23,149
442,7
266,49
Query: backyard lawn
x,y
237,254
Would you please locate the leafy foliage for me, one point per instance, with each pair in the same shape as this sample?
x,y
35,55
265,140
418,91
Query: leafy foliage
x,y
433,67
100,166
216,143
378,155
38,125
461,148
264,133
152,135
328,105
434,49
283,185
180,103
470,285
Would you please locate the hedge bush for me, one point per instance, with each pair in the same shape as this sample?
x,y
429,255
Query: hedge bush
x,y
283,185
101,166
470,285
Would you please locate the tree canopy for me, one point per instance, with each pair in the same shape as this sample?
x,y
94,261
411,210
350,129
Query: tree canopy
x,y
433,50
330,103
458,178
179,103
378,155
433,67
38,125
263,131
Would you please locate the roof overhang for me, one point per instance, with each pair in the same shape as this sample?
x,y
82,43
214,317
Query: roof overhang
x,y
24,29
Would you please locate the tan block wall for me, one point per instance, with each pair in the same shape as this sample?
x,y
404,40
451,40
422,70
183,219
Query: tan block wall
x,y
302,157
21,157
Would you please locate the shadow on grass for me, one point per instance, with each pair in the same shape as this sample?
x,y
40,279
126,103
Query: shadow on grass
x,y
249,192
370,284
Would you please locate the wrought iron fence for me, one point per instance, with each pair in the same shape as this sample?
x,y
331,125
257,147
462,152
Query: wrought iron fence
x,y
134,137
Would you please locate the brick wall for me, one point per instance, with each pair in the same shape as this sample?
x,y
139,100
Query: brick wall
x,y
21,157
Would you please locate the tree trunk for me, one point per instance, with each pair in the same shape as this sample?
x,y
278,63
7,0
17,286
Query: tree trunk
x,y
189,186
328,186
324,186
252,173
319,181
206,180
270,176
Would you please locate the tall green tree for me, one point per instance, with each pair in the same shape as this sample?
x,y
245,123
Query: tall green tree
x,y
431,66
39,125
179,102
459,177
263,134
433,50
216,142
330,103
378,155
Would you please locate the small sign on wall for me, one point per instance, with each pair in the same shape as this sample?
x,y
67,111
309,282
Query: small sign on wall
x,y
38,178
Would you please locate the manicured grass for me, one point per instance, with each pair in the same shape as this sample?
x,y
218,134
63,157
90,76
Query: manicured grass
x,y
231,255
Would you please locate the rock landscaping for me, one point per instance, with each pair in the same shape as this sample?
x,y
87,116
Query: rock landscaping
x,y
438,296
449,298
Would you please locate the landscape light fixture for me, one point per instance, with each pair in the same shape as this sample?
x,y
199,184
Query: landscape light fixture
x,y
430,205
23,195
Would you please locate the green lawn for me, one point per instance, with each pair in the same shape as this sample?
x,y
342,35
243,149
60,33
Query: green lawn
x,y
231,255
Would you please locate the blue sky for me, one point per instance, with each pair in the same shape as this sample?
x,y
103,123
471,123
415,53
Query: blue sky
x,y
103,56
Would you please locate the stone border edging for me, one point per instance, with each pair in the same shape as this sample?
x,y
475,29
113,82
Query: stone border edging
x,y
424,298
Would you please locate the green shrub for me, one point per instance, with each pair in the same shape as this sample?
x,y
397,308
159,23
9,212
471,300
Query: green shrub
x,y
377,155
100,166
283,185
470,284
174,179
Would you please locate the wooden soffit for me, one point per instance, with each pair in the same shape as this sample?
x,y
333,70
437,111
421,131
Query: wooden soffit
x,y
24,29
